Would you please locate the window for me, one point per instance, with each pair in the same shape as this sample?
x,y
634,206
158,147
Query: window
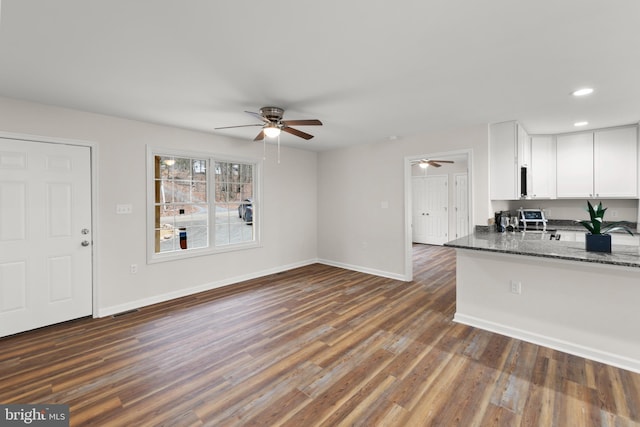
x,y
196,209
233,203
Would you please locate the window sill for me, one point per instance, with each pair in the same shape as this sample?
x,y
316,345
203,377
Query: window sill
x,y
193,253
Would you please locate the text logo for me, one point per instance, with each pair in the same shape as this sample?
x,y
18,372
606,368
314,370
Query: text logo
x,y
34,415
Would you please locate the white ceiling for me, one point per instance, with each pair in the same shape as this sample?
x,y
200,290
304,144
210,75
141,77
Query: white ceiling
x,y
371,70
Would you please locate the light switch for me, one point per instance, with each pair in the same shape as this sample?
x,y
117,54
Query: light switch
x,y
124,209
384,204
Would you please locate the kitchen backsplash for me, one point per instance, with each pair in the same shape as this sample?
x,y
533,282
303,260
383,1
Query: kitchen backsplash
x,y
617,210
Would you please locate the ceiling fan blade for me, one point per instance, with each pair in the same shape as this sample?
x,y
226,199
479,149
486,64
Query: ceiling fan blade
x,y
442,161
258,116
297,132
312,122
240,126
260,136
434,164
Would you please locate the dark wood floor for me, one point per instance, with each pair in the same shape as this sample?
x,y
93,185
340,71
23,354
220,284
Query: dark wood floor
x,y
316,346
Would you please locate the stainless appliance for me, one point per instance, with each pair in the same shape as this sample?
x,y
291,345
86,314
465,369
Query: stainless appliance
x,y
532,217
523,182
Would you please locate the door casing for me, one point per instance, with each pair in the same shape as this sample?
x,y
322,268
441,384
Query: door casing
x,y
408,208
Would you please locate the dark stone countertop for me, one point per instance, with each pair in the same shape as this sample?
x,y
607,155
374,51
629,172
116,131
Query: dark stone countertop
x,y
539,245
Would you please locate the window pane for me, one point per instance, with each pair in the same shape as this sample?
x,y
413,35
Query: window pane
x,y
182,215
234,203
199,192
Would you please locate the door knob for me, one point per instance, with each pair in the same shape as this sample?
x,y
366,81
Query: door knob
x,y
85,231
85,243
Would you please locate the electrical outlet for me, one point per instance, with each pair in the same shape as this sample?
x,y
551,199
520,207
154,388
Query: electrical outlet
x,y
133,268
516,287
614,214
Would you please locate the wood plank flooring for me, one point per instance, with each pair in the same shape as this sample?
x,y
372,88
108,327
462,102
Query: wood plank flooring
x,y
315,346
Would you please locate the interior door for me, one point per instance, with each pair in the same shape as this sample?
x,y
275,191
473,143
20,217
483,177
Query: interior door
x,y
45,234
430,211
419,189
461,204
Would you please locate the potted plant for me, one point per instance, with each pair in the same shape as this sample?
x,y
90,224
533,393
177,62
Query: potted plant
x,y
598,239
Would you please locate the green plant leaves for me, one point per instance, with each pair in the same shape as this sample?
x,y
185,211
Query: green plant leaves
x,y
594,226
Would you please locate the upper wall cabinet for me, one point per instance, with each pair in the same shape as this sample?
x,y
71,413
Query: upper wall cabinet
x,y
542,170
508,145
600,164
574,165
615,162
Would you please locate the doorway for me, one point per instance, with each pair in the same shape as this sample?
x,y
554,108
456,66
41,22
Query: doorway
x,y
46,267
457,167
430,209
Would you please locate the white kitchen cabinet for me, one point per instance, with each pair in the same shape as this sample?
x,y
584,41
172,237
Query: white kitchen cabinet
x,y
507,142
599,164
574,165
615,162
542,170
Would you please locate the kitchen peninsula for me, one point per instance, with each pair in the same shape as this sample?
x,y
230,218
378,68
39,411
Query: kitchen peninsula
x,y
530,286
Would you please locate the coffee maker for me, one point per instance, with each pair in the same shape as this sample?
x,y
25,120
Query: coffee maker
x,y
502,220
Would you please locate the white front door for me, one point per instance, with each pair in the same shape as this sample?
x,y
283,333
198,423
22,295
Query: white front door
x,y
430,202
45,234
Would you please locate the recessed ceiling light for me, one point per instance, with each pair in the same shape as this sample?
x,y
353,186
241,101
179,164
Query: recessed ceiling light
x,y
578,124
582,92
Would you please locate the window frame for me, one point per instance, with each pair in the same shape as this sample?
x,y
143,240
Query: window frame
x,y
211,159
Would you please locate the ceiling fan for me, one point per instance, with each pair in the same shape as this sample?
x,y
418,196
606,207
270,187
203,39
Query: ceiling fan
x,y
423,163
272,124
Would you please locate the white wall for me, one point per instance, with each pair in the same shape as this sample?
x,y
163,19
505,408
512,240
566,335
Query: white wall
x,y
289,205
354,230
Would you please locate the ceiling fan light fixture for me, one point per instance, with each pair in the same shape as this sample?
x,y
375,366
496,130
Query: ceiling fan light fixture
x,y
423,164
271,131
582,92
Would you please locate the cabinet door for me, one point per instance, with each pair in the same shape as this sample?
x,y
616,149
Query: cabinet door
x,y
503,177
574,167
543,167
616,162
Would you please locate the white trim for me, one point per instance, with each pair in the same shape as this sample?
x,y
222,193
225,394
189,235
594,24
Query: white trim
x,y
132,305
408,205
556,344
108,311
455,193
365,270
95,232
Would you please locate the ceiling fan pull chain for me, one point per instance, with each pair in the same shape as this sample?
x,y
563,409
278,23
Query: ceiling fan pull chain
x,y
264,148
278,149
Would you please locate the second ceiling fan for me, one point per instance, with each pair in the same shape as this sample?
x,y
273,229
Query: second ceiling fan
x,y
423,163
273,123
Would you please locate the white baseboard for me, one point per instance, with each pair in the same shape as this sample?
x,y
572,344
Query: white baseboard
x,y
108,311
546,341
360,269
